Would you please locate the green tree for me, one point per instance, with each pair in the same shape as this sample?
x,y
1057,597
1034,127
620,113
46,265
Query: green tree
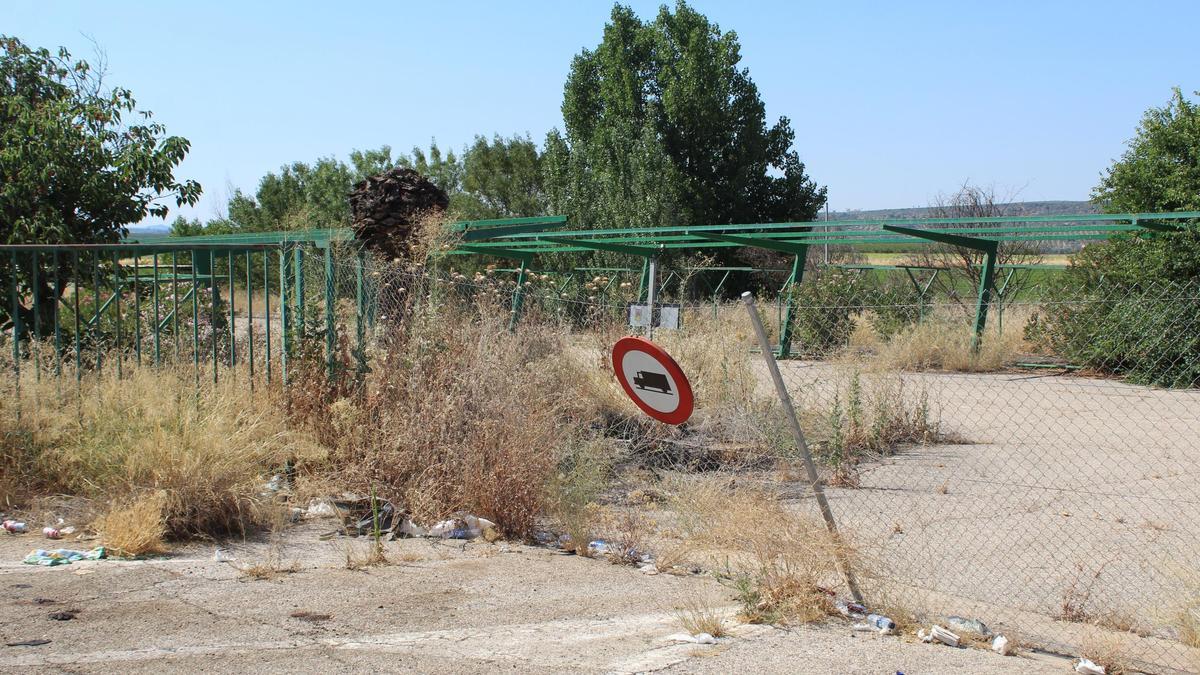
x,y
1133,308
78,161
501,179
1160,169
664,127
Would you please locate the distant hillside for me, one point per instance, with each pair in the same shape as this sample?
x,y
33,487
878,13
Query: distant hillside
x,y
1055,208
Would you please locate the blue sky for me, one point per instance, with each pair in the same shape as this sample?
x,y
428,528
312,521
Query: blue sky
x,y
892,103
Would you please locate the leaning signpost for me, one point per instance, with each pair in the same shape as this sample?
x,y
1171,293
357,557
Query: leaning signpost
x,y
653,380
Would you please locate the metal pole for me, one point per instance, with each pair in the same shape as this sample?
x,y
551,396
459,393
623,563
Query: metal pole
x,y
809,466
652,268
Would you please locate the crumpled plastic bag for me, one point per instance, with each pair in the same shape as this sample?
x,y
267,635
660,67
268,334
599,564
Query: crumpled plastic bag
x,y
62,556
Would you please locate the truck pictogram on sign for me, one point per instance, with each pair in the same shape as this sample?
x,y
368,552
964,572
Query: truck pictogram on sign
x,y
652,381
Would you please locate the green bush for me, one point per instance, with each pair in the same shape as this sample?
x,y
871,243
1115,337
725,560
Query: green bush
x,y
1131,307
893,307
825,308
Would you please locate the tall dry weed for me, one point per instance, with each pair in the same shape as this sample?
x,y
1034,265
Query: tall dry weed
x,y
205,448
781,561
456,414
945,343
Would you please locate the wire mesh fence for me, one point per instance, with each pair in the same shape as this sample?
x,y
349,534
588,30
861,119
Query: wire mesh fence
x,y
1036,474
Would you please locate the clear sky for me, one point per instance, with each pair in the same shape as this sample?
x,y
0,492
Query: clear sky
x,y
892,102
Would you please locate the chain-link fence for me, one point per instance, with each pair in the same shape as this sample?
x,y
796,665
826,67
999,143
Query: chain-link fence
x,y
1035,472
1037,476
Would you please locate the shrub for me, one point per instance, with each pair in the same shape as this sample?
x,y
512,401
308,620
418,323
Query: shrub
x,y
825,308
1131,307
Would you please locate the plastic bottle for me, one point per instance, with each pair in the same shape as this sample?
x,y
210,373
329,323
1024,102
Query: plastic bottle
x,y
882,623
15,527
850,610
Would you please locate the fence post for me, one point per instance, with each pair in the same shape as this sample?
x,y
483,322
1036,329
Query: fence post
x,y
329,313
809,466
518,296
985,293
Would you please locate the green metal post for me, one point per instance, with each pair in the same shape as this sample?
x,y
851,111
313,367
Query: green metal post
x,y
267,310
57,327
985,294
175,302
360,310
786,324
35,344
518,297
116,258
249,320
75,297
16,319
96,315
212,314
298,262
154,313
645,279
195,316
329,315
232,323
137,313
283,314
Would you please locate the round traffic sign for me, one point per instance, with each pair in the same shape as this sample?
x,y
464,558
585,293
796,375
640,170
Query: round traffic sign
x,y
653,380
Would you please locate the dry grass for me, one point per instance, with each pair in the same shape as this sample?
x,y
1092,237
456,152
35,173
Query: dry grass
x,y
1110,650
136,528
779,561
456,415
203,452
944,343
362,556
698,614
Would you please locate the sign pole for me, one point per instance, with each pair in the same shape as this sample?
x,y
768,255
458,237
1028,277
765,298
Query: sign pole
x,y
650,295
809,466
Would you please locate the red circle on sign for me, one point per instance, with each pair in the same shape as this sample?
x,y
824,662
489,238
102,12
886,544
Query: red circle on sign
x,y
683,410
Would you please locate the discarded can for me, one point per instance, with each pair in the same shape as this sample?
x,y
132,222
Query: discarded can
x,y
51,533
15,527
881,623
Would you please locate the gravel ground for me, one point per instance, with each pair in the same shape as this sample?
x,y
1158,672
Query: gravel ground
x,y
441,607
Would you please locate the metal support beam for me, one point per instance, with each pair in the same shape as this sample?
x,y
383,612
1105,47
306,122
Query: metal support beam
x,y
988,247
643,251
518,298
786,326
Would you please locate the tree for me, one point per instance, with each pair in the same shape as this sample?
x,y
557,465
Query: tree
x,y
73,168
502,179
964,266
1134,309
1160,170
662,127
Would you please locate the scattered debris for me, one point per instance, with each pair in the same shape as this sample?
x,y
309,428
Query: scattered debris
x,y
461,527
14,527
850,610
65,615
320,509
27,643
938,634
62,556
311,617
648,568
1000,645
1089,667
698,638
222,555
969,626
